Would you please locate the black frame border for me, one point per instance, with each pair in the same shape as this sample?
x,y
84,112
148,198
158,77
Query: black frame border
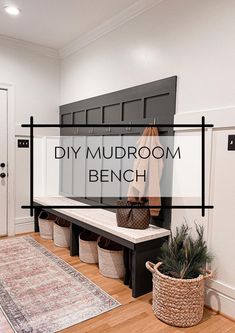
x,y
202,125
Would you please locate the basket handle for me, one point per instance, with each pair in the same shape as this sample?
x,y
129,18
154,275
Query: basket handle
x,y
208,275
152,267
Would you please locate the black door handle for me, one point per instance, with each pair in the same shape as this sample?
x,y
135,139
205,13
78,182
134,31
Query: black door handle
x,y
2,175
2,165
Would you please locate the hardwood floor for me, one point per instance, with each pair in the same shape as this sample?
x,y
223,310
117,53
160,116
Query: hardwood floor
x,y
134,315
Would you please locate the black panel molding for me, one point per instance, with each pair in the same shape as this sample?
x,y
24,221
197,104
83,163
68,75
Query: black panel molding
x,y
143,104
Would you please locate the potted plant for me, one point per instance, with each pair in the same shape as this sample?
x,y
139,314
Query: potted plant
x,y
179,278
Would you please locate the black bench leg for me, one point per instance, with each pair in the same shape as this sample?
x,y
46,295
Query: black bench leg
x,y
74,233
37,211
130,268
141,277
127,266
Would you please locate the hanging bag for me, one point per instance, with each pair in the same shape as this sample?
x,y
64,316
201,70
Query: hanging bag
x,y
133,217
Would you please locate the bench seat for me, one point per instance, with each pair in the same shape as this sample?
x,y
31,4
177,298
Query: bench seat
x,y
103,219
139,245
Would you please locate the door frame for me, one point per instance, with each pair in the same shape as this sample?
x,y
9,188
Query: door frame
x,y
11,192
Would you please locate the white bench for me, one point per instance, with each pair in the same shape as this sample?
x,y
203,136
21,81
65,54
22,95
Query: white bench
x,y
139,245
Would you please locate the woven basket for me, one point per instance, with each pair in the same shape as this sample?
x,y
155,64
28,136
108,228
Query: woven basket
x,y
88,251
177,302
111,262
45,221
61,236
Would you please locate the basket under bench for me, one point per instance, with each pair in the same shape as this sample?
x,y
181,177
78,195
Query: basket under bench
x,y
139,245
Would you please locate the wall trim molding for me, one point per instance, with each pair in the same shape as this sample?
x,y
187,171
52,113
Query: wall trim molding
x,y
37,48
219,296
41,131
22,220
220,303
221,288
111,24
223,117
10,87
23,225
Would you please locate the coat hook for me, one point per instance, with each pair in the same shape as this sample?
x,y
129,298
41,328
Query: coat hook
x,y
129,128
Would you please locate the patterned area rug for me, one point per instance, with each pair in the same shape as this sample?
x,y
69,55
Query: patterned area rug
x,y
39,292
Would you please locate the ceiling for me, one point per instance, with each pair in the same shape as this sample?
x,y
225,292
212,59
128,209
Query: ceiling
x,y
55,23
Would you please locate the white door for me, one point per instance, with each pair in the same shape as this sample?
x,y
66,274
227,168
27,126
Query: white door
x,y
3,162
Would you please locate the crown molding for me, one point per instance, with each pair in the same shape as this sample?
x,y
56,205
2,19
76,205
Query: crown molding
x,y
79,43
115,22
39,49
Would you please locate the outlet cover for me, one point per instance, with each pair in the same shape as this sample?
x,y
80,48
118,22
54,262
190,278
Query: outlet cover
x,y
23,143
231,142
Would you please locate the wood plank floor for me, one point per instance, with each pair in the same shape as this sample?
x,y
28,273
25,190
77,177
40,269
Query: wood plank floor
x,y
134,315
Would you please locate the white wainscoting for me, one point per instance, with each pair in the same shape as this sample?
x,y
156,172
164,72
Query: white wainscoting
x,y
43,172
219,223
24,224
220,192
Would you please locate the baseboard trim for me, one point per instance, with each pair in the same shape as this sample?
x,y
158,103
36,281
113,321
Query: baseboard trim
x,y
219,313
23,225
220,303
222,288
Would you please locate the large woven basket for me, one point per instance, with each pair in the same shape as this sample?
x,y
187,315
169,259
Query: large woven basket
x,y
111,262
88,251
177,302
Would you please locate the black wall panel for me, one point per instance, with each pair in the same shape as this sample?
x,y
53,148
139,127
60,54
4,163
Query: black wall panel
x,y
79,117
160,103
112,114
146,103
132,111
94,116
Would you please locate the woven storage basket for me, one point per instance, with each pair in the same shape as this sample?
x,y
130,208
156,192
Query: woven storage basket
x,y
88,251
61,235
111,262
177,302
46,222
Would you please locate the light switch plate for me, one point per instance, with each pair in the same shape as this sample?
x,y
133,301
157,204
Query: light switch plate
x,y
231,142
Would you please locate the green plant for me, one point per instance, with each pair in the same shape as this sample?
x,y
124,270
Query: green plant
x,y
183,256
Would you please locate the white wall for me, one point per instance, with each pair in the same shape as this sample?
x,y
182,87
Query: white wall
x,y
36,80
188,38
218,223
221,222
193,40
